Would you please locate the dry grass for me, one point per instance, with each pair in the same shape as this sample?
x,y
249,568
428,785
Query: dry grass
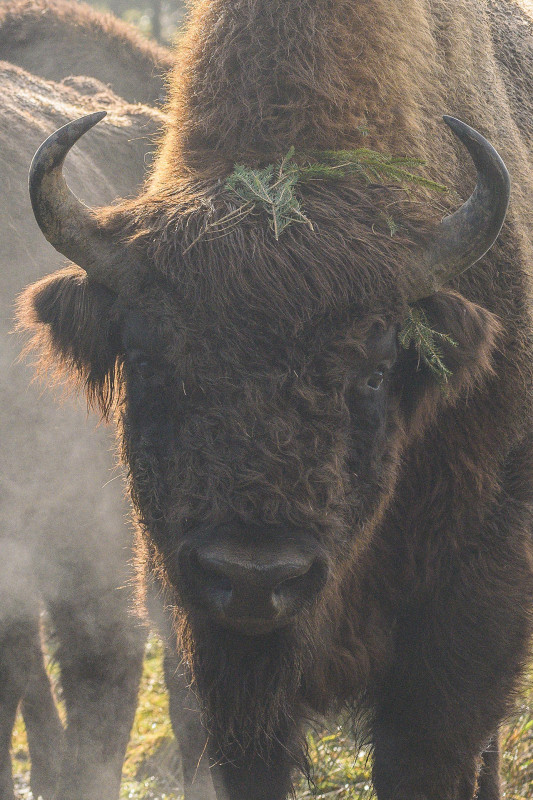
x,y
338,773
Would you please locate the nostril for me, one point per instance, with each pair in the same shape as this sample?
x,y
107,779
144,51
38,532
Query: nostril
x,y
211,573
305,585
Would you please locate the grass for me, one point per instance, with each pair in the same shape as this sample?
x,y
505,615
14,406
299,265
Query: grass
x,y
338,774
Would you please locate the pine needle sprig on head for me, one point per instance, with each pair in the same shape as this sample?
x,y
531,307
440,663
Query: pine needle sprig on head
x,y
369,165
272,190
427,341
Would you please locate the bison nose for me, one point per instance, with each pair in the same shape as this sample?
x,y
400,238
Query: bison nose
x,y
255,590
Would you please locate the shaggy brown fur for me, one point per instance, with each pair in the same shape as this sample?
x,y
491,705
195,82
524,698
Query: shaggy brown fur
x,y
57,38
512,33
239,365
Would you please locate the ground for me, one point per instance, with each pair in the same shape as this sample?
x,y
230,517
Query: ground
x,y
152,763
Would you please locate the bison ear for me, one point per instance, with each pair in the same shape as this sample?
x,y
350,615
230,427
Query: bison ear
x,y
471,337
74,332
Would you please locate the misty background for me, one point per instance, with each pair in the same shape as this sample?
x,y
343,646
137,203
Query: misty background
x,y
156,19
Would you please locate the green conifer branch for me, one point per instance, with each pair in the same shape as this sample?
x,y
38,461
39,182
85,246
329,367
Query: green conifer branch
x,y
272,190
427,341
370,164
273,187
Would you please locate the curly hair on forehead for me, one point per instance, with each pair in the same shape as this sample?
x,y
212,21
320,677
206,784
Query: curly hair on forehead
x,y
349,260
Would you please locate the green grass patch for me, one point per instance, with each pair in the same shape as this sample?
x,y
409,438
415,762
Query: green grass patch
x,y
340,770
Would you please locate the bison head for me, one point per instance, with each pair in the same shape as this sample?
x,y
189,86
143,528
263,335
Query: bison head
x,y
263,399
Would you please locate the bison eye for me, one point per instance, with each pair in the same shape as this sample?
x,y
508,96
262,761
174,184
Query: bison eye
x,y
375,380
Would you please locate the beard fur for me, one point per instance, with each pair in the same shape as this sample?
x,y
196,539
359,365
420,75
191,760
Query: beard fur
x,y
250,690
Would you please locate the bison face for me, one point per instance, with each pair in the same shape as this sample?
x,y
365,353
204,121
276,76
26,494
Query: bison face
x,y
257,461
261,413
261,457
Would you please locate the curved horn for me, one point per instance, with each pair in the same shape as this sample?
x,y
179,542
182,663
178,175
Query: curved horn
x,y
66,222
465,236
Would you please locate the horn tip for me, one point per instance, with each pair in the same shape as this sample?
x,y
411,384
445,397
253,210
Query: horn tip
x,y
457,126
482,152
98,115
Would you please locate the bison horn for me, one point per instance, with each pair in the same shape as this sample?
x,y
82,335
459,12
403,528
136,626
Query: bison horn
x,y
66,222
465,236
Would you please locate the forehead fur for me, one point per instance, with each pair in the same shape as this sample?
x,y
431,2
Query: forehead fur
x,y
349,263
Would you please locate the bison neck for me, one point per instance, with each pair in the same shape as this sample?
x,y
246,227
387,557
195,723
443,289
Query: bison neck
x,y
257,76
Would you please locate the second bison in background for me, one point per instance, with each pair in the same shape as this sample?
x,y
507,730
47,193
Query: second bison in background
x,y
56,39
64,538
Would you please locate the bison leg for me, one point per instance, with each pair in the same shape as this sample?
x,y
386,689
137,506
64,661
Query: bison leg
x,y
461,640
20,650
184,710
489,776
43,726
23,677
254,777
449,688
100,655
15,670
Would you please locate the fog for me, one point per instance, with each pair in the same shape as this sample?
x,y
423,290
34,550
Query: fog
x,y
65,536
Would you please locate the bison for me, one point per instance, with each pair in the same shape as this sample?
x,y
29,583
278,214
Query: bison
x,y
337,524
52,528
63,536
56,39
